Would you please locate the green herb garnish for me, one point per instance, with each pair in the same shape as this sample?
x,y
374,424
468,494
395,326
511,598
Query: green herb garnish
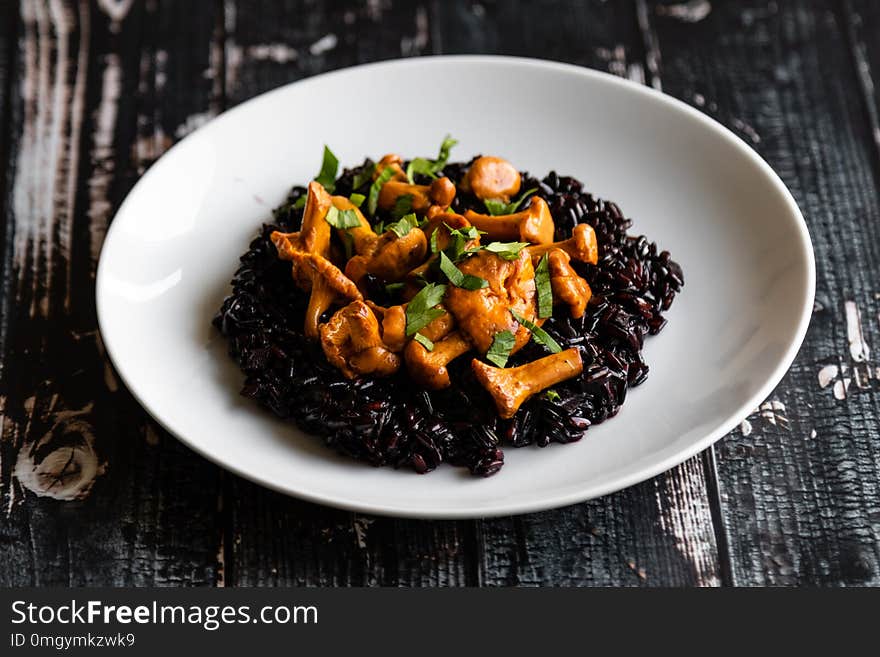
x,y
506,250
394,288
420,311
362,177
300,202
357,200
459,237
329,167
376,187
402,206
342,219
428,167
420,165
496,207
407,223
502,345
552,395
434,246
425,342
539,335
458,278
545,290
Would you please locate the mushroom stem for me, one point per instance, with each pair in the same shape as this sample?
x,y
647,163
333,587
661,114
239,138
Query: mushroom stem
x,y
534,224
328,284
512,386
395,162
568,287
440,192
580,246
428,368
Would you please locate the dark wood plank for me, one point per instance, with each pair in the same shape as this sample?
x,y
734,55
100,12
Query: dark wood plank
x,y
658,533
799,479
93,492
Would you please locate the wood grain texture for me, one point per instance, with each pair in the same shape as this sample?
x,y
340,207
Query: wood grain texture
x,y
799,480
660,532
93,492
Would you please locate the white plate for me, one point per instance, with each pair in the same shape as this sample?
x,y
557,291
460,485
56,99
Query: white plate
x,y
689,184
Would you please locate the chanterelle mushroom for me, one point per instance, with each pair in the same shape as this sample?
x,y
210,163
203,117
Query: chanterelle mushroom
x,y
534,224
567,285
352,343
328,284
491,178
395,162
428,368
580,246
512,386
391,258
363,237
312,237
480,314
440,192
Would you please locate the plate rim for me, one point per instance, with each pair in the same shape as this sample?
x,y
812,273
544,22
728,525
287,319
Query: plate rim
x,y
494,508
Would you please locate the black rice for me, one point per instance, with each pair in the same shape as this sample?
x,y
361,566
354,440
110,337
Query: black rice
x,y
389,421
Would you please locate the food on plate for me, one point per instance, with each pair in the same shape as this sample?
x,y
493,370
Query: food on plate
x,y
414,312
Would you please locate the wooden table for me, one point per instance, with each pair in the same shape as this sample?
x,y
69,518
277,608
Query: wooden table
x,y
94,493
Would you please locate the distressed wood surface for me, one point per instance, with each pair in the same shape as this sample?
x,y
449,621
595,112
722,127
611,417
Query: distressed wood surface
x,y
94,493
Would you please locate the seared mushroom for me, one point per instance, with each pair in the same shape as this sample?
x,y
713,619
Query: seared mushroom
x,y
351,342
440,192
313,236
534,224
580,246
393,161
363,237
567,285
391,258
428,368
512,386
491,178
393,324
482,313
328,284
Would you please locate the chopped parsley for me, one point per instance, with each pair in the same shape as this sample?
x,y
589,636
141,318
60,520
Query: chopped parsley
x,y
539,335
545,291
458,278
420,311
342,219
459,237
363,176
300,202
506,250
428,167
357,200
402,227
496,207
394,288
502,345
376,187
425,342
402,206
552,395
329,167
434,246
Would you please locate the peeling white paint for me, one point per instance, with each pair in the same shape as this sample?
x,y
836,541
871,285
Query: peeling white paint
x,y
689,12
416,44
280,53
325,44
745,428
813,433
840,389
192,123
858,348
102,154
826,375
